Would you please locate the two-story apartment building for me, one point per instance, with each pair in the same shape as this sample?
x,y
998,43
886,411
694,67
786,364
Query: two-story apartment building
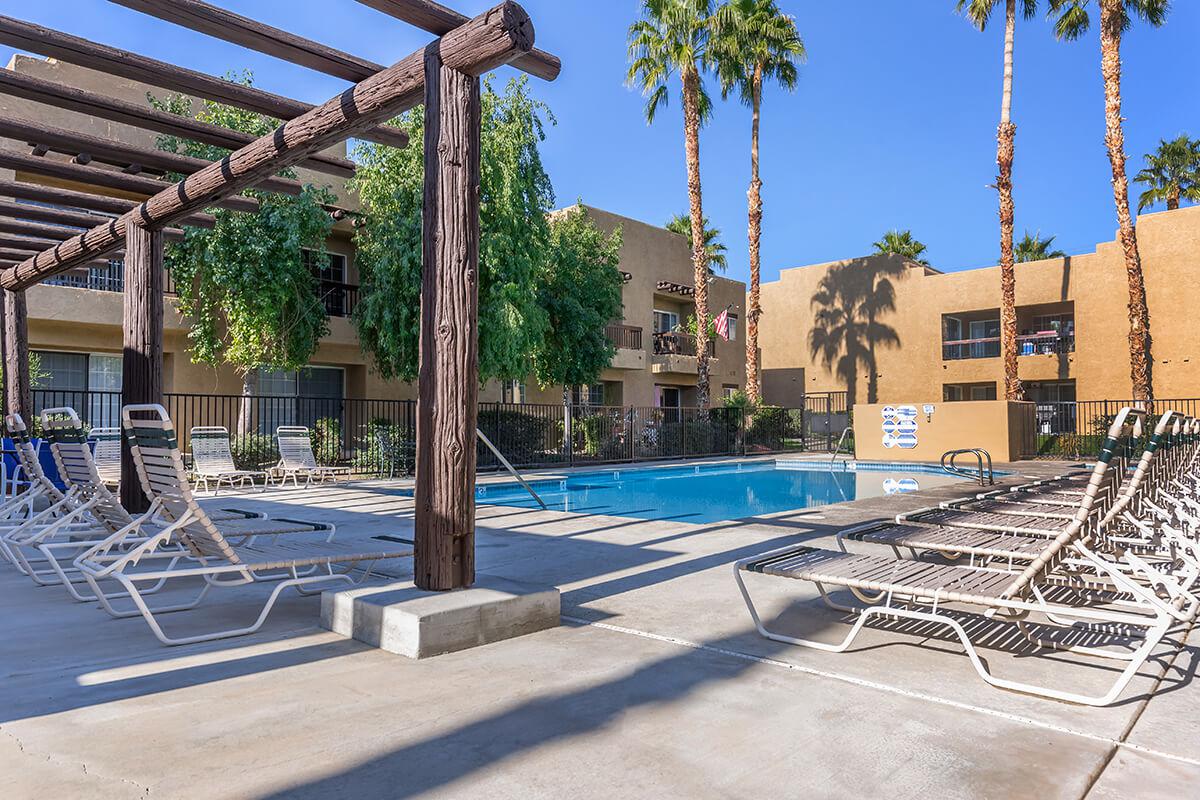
x,y
75,319
902,332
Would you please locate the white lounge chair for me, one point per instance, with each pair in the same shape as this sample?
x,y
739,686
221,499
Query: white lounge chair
x,y
921,591
216,561
106,452
212,460
296,458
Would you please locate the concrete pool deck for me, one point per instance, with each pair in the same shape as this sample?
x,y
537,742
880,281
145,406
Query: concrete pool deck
x,y
655,685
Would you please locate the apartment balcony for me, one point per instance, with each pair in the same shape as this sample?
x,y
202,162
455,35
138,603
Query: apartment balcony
x,y
1035,344
676,353
628,341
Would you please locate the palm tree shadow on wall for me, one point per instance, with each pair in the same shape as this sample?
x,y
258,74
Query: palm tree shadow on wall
x,y
847,330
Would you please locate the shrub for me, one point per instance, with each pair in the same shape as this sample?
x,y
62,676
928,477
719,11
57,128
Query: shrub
x,y
254,450
522,438
326,436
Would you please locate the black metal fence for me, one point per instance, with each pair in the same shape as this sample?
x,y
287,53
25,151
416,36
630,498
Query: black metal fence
x,y
378,437
1077,429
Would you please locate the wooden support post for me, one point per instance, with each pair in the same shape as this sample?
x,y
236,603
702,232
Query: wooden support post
x,y
142,363
448,381
17,393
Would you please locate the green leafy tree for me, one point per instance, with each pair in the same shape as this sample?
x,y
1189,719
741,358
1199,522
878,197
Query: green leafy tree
x,y
1034,248
673,37
901,243
245,284
580,291
1072,20
714,249
1171,173
755,42
515,195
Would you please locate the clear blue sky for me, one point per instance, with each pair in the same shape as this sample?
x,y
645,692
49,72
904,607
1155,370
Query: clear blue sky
x,y
893,124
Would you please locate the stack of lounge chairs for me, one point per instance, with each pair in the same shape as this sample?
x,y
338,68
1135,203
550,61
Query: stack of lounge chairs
x,y
84,540
1112,549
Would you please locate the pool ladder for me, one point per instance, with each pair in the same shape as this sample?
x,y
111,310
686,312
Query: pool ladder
x,y
509,467
985,476
837,450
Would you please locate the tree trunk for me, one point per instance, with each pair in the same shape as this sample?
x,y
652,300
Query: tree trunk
x,y
691,124
1005,153
245,419
18,394
753,388
448,383
1173,199
1140,362
142,361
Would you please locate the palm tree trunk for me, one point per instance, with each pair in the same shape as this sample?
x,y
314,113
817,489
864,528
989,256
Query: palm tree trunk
x,y
1173,199
1005,153
691,124
755,197
1111,23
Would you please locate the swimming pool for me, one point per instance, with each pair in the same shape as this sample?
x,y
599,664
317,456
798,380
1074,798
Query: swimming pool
x,y
716,492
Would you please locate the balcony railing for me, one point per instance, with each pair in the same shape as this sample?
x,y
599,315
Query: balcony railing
x,y
339,299
679,344
1027,345
624,337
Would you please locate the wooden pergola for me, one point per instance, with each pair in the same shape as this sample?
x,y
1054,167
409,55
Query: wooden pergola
x,y
125,208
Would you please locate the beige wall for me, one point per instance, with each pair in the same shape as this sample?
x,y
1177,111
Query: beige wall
x,y
912,366
995,426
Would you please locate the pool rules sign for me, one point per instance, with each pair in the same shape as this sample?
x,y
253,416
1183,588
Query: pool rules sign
x,y
900,427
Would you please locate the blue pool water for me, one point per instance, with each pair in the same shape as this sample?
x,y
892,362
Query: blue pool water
x,y
716,492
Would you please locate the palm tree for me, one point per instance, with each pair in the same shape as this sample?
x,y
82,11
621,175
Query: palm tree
x,y
673,37
1115,18
1172,173
979,12
755,42
714,250
901,243
1034,248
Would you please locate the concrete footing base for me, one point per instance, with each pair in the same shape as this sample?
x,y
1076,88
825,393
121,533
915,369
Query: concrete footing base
x,y
403,619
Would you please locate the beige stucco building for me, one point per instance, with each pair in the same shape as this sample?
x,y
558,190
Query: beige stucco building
x,y
75,323
901,332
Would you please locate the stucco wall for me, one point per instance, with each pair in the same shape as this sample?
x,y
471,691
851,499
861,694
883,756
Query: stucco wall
x,y
995,426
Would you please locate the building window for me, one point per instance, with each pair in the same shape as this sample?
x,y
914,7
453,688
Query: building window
x,y
330,272
733,323
512,392
983,392
90,383
952,392
592,395
730,389
665,321
667,396
299,397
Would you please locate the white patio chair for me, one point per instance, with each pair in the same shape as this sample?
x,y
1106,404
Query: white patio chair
x,y
106,452
216,561
212,460
296,458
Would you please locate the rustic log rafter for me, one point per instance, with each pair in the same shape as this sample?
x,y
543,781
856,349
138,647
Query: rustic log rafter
x,y
486,42
23,227
131,66
70,198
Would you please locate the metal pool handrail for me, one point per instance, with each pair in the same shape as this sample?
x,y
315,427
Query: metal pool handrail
x,y
509,467
837,450
987,478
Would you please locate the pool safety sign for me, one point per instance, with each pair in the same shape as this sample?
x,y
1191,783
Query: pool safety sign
x,y
900,427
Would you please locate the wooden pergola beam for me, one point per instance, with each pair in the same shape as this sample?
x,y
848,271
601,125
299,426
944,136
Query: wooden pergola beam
x,y
10,209
233,28
439,20
10,258
119,154
107,178
22,227
81,101
134,67
94,202
489,40
30,244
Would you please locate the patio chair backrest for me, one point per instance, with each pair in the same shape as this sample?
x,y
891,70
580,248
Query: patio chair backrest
x,y
155,450
77,468
106,451
27,457
211,453
1127,423
295,448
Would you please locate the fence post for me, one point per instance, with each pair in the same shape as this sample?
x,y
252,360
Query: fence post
x,y
829,422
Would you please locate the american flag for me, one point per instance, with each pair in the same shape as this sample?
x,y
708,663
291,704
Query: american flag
x,y
722,323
